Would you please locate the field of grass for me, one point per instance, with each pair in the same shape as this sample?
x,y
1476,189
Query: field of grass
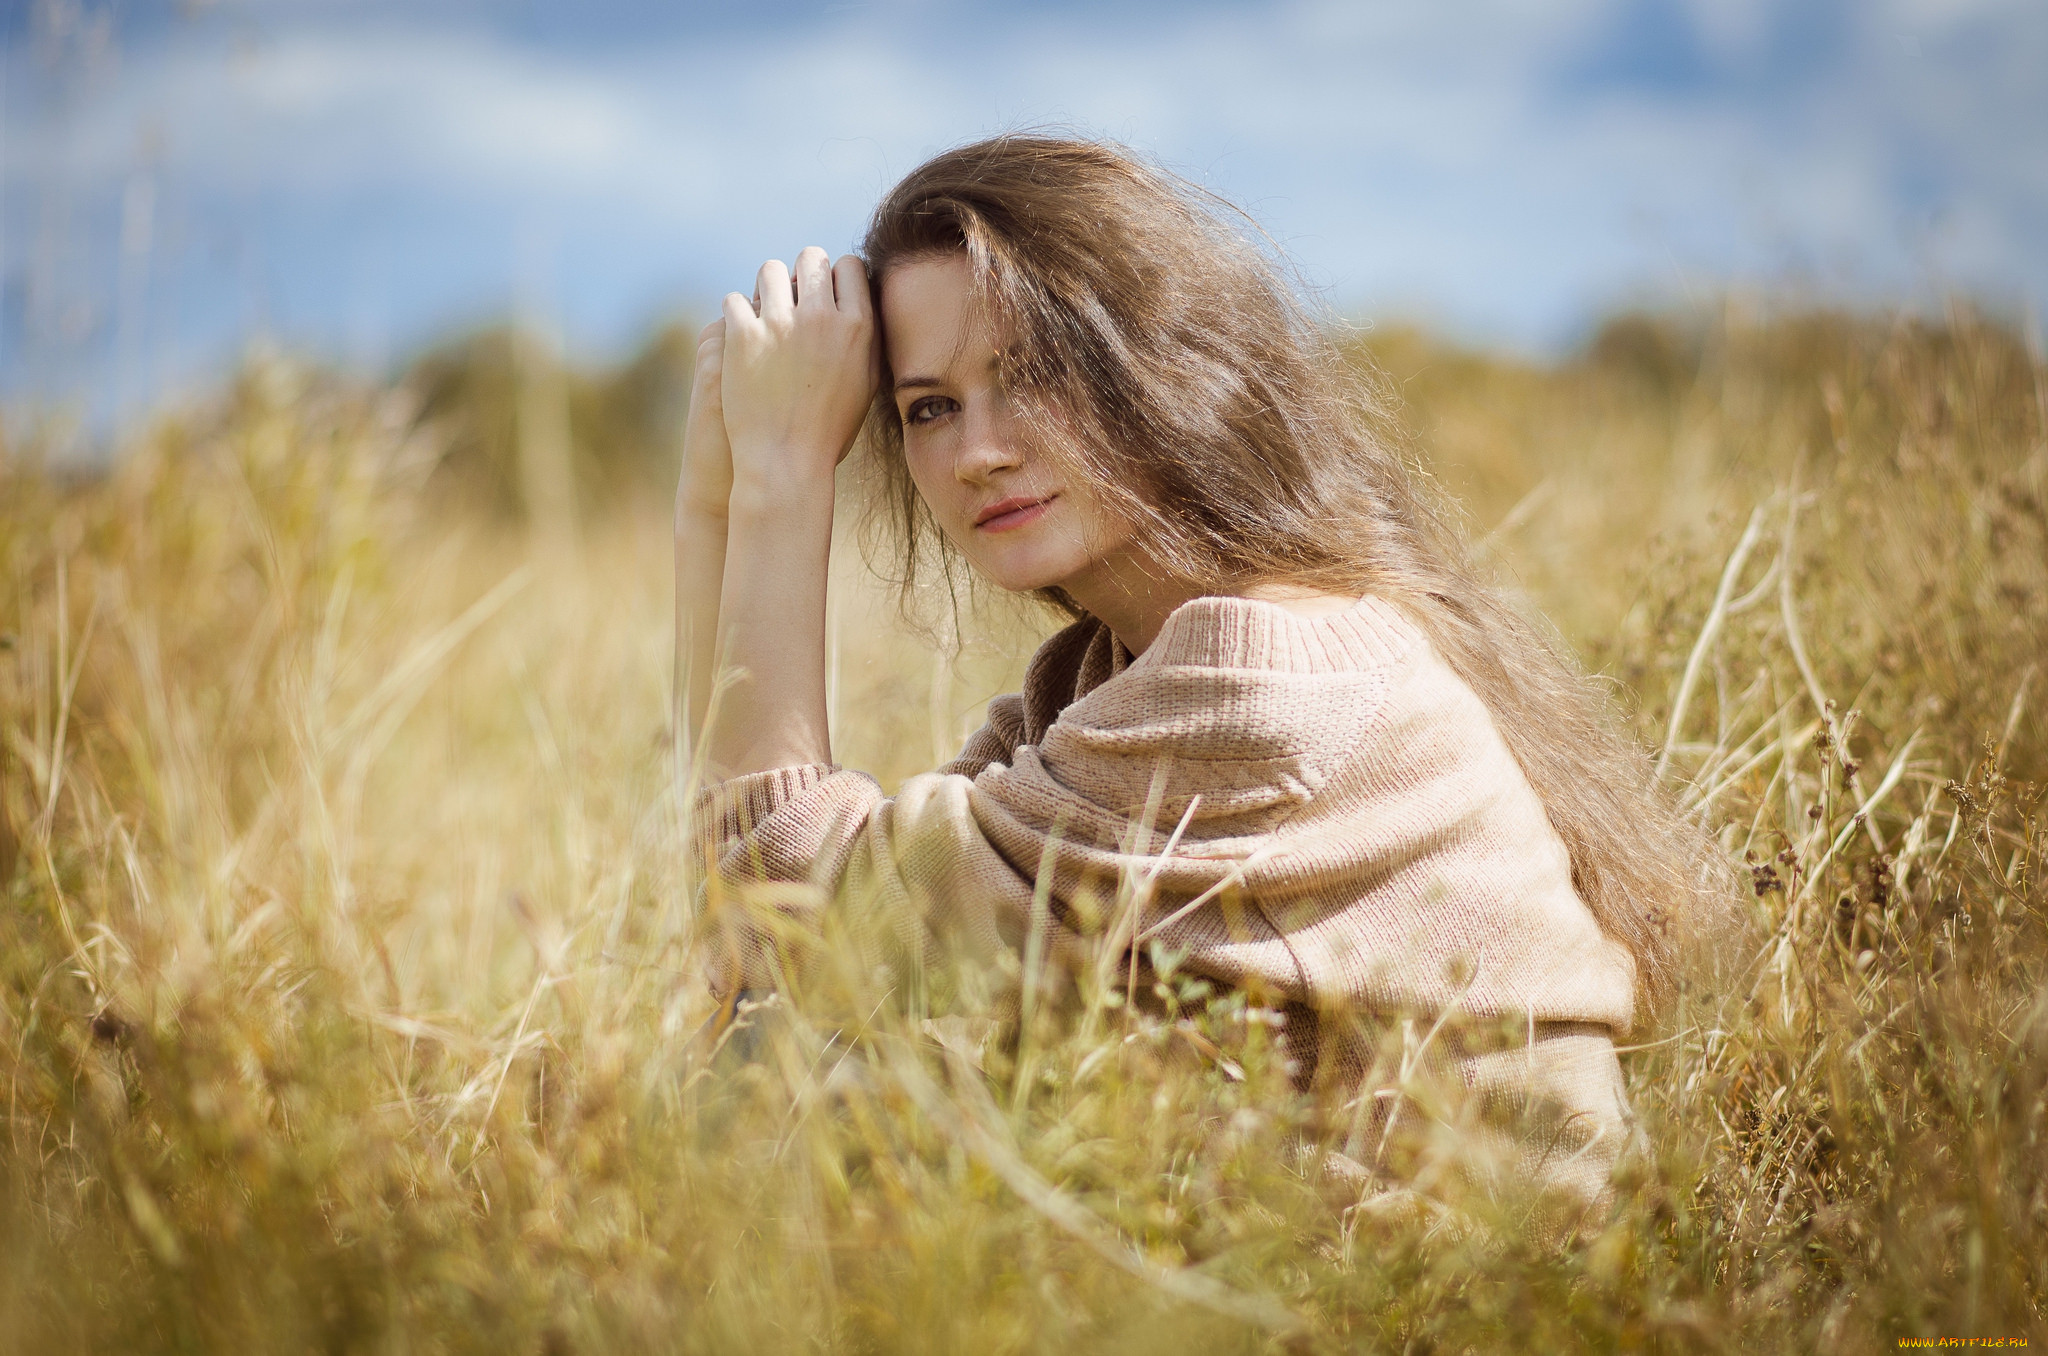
x,y
352,984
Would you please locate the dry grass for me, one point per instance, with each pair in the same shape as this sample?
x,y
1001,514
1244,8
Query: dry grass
x,y
351,987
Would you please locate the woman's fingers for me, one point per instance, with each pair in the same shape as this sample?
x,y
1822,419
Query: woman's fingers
x,y
813,279
772,286
815,282
797,369
850,282
739,313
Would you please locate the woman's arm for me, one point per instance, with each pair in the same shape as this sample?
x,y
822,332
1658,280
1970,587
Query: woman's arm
x,y
795,384
702,499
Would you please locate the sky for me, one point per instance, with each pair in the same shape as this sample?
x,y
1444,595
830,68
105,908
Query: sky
x,y
354,179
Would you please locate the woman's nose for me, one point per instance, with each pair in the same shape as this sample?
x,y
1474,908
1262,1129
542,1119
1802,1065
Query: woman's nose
x,y
988,444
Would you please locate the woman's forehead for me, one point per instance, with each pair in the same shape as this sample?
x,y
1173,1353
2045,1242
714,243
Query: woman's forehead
x,y
933,319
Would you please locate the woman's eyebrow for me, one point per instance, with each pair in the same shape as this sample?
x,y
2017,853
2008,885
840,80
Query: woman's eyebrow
x,y
995,362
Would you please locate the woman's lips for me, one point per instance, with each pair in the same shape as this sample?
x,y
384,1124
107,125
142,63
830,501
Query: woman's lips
x,y
1007,514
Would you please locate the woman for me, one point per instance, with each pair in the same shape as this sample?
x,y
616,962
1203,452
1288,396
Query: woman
x,y
1353,780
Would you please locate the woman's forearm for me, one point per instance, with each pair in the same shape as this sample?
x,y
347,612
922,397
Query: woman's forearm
x,y
700,575
771,620
797,372
703,496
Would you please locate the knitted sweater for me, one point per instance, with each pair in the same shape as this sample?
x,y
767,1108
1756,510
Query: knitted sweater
x,y
1371,850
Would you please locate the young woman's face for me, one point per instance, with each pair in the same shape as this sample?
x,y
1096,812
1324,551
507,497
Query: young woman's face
x,y
1015,515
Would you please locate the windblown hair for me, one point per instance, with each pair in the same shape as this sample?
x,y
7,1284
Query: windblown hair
x,y
1156,345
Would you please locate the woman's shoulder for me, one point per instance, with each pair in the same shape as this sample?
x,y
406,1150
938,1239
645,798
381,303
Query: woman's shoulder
x,y
1262,712
1307,634
1218,646
1228,679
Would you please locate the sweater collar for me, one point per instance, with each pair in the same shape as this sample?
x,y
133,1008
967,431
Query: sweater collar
x,y
1251,633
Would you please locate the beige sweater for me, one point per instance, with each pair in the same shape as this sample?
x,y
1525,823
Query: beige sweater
x,y
1381,853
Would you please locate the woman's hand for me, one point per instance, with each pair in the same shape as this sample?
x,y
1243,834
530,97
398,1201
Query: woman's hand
x,y
796,379
706,486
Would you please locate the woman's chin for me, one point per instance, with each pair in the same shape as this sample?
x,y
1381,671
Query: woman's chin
x,y
1024,577
1027,560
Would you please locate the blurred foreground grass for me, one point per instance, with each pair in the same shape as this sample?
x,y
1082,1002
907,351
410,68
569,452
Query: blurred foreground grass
x,y
351,988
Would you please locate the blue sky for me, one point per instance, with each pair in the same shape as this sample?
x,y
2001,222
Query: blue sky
x,y
356,179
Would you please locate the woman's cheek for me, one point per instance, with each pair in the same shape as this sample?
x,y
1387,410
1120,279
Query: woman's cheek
x,y
930,486
942,496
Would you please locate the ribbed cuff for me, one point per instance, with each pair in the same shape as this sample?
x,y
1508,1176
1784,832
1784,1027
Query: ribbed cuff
x,y
733,807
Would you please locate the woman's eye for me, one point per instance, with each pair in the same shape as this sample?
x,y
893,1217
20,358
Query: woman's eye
x,y
929,408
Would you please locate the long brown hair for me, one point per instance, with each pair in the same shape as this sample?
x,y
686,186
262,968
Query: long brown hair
x,y
1158,346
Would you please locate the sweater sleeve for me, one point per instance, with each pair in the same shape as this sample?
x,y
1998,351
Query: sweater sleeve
x,y
802,825
797,824
789,824
790,840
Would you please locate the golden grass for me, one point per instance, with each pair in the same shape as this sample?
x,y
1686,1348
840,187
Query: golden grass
x,y
351,985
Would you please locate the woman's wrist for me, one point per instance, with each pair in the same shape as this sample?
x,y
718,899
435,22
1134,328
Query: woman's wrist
x,y
790,497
